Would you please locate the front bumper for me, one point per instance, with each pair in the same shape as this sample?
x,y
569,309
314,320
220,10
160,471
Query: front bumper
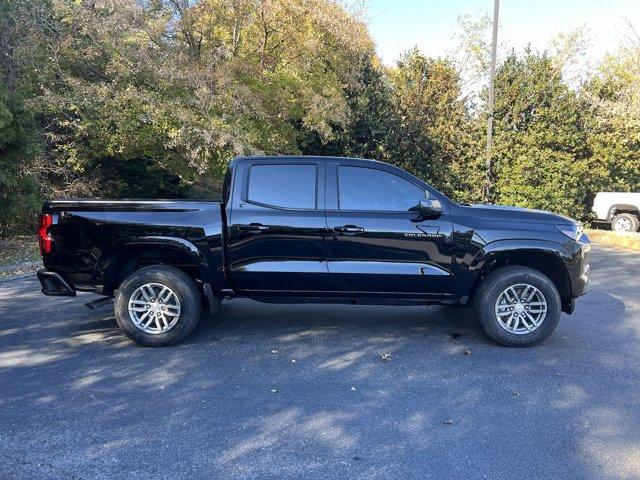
x,y
582,285
578,269
54,284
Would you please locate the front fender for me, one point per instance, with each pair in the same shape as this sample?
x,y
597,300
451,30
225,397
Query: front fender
x,y
549,257
499,247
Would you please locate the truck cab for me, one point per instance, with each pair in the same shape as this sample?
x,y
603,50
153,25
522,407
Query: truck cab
x,y
335,228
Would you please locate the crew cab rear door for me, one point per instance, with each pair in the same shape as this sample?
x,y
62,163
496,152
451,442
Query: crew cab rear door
x,y
377,246
277,227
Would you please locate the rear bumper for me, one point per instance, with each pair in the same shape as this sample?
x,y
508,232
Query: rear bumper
x,y
55,285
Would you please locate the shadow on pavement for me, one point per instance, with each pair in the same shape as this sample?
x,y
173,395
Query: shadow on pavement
x,y
300,391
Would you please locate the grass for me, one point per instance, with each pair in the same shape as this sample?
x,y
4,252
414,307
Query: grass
x,y
628,240
15,252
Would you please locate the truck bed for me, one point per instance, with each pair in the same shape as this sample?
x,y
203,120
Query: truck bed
x,y
82,204
94,237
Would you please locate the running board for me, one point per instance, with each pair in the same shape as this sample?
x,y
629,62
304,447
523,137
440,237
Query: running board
x,y
100,302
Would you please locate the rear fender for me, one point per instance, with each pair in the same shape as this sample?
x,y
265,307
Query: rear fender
x,y
123,257
178,243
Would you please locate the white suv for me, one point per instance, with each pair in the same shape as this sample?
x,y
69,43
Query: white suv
x,y
621,210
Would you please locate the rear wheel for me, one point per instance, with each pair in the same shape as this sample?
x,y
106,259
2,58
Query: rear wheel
x,y
158,305
625,222
517,306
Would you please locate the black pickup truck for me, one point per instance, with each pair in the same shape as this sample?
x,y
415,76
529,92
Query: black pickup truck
x,y
315,229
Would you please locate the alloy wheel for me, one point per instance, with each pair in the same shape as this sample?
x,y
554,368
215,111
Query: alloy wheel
x,y
154,308
521,309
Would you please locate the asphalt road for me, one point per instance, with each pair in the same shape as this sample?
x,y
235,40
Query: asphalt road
x,y
79,400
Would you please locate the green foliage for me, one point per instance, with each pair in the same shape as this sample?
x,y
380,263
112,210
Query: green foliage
x,y
184,86
372,119
433,138
539,138
19,192
613,119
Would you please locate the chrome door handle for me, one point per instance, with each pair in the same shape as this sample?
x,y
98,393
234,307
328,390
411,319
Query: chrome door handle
x,y
253,227
348,229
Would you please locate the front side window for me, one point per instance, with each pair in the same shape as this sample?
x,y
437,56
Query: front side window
x,y
286,186
376,190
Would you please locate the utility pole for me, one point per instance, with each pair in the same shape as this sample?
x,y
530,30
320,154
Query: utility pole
x,y
492,77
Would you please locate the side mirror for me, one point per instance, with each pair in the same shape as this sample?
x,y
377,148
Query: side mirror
x,y
428,208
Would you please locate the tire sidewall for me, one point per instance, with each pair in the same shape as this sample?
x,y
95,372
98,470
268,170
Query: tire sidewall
x,y
495,284
183,286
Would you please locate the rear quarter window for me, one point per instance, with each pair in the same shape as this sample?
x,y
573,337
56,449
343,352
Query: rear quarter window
x,y
283,186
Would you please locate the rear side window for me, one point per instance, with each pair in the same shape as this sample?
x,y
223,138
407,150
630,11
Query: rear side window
x,y
286,186
376,190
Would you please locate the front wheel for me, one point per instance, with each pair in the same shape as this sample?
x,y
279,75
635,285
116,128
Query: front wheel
x,y
157,306
517,306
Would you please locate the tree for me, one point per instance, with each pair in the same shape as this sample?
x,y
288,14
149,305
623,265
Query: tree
x,y
433,139
540,154
152,99
19,191
184,86
371,120
612,103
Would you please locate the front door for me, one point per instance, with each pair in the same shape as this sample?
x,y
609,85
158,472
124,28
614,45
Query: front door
x,y
376,246
276,228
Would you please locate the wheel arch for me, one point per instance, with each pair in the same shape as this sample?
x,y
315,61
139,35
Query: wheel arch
x,y
136,253
622,208
548,258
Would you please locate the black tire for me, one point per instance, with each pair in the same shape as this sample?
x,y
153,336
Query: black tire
x,y
489,292
184,288
629,220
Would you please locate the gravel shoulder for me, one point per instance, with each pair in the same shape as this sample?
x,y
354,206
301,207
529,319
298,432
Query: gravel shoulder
x,y
19,255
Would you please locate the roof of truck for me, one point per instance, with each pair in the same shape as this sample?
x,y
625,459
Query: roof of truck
x,y
276,158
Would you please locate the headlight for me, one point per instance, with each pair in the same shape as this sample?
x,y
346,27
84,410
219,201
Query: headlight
x,y
573,231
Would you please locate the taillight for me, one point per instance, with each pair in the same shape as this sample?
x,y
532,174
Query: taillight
x,y
44,238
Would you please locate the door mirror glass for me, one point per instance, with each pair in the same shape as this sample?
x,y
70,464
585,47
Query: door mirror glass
x,y
429,208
